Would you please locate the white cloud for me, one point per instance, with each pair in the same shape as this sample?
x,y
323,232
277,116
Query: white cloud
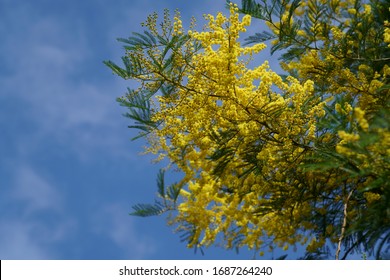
x,y
33,238
18,242
121,229
46,66
34,191
34,221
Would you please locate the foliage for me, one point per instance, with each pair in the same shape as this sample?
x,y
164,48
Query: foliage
x,y
342,47
270,160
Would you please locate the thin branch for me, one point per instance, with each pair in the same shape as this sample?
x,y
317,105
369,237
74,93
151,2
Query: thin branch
x,y
344,224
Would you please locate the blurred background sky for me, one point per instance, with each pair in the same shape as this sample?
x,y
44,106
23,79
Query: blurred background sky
x,y
68,172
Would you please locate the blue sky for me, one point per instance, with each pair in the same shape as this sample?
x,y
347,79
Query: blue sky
x,y
68,171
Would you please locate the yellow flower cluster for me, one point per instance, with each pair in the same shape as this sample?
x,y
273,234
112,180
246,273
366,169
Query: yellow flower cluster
x,y
386,35
330,67
362,121
177,24
242,136
325,65
371,197
226,105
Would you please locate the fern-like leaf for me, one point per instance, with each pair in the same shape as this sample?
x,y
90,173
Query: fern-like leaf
x,y
146,210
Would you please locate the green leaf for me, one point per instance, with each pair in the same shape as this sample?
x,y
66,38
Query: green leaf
x,y
260,37
253,9
283,257
144,41
116,69
173,191
139,111
146,210
160,183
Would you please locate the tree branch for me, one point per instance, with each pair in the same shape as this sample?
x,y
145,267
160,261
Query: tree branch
x,y
344,224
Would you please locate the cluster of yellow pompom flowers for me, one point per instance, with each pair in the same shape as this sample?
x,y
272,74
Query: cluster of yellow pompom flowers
x,y
223,96
266,158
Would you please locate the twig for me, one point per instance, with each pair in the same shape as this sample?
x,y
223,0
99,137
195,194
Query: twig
x,y
344,224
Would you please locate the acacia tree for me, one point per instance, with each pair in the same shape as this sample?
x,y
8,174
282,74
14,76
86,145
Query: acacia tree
x,y
267,159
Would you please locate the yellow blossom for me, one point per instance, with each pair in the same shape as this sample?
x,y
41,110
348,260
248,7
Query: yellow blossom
x,y
359,114
246,139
